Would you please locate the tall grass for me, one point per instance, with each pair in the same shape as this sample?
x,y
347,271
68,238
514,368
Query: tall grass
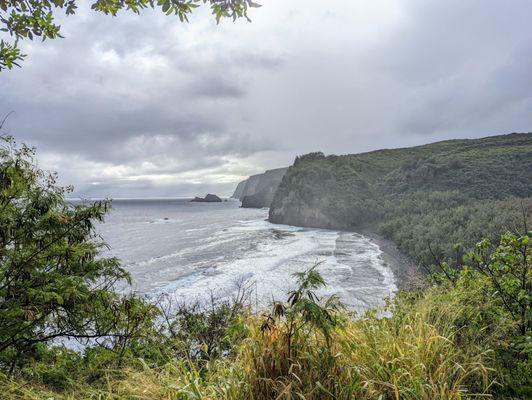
x,y
414,357
411,356
416,352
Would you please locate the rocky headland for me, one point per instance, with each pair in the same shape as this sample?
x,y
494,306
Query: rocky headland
x,y
258,190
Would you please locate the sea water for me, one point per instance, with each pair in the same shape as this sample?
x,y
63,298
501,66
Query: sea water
x,y
196,252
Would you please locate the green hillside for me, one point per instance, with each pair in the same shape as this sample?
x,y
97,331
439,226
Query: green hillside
x,y
437,194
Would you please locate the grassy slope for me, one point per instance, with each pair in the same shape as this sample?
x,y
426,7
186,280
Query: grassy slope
x,y
442,193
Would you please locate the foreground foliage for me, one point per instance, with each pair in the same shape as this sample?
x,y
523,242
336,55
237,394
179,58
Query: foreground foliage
x,y
451,341
28,19
53,284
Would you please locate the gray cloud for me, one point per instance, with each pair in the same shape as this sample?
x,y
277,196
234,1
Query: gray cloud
x,y
146,106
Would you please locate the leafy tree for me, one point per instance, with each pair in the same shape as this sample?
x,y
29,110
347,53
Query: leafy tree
x,y
509,270
53,283
203,332
28,19
9,55
495,284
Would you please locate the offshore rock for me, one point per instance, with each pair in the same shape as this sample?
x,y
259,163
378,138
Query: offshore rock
x,y
210,198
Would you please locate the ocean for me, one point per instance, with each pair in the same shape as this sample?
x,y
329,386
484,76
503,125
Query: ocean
x,y
198,251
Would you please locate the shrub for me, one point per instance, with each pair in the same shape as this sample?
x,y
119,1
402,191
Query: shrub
x,y
53,285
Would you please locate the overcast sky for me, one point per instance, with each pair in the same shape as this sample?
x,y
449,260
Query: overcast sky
x,y
144,106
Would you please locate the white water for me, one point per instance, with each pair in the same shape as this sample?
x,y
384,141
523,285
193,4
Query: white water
x,y
193,251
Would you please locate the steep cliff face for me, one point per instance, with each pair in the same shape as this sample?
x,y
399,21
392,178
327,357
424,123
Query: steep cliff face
x,y
262,198
239,190
300,214
258,190
441,193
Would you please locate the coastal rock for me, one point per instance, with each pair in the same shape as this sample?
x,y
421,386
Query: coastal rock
x,y
260,199
210,198
258,190
301,214
238,194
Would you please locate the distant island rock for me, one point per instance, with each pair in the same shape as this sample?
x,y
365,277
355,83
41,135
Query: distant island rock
x,y
210,198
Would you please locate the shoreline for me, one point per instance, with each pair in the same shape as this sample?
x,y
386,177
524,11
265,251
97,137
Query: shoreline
x,y
406,273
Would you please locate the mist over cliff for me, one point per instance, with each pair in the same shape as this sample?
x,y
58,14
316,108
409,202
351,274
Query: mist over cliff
x,y
258,190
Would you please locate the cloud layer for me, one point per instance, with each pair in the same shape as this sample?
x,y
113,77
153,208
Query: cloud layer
x,y
146,106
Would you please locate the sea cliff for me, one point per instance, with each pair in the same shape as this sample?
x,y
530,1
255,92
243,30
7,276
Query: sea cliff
x,y
258,190
425,198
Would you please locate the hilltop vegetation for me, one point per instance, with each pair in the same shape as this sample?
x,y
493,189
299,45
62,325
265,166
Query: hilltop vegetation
x,y
426,198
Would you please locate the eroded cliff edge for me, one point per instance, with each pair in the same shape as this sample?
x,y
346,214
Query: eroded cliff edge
x,y
258,190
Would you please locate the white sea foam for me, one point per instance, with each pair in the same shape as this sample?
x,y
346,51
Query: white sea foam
x,y
196,252
270,266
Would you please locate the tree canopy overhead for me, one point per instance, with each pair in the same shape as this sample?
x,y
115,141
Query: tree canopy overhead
x,y
29,19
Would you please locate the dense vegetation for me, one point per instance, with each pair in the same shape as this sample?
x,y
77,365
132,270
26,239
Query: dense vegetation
x,y
468,334
454,340
426,198
53,285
